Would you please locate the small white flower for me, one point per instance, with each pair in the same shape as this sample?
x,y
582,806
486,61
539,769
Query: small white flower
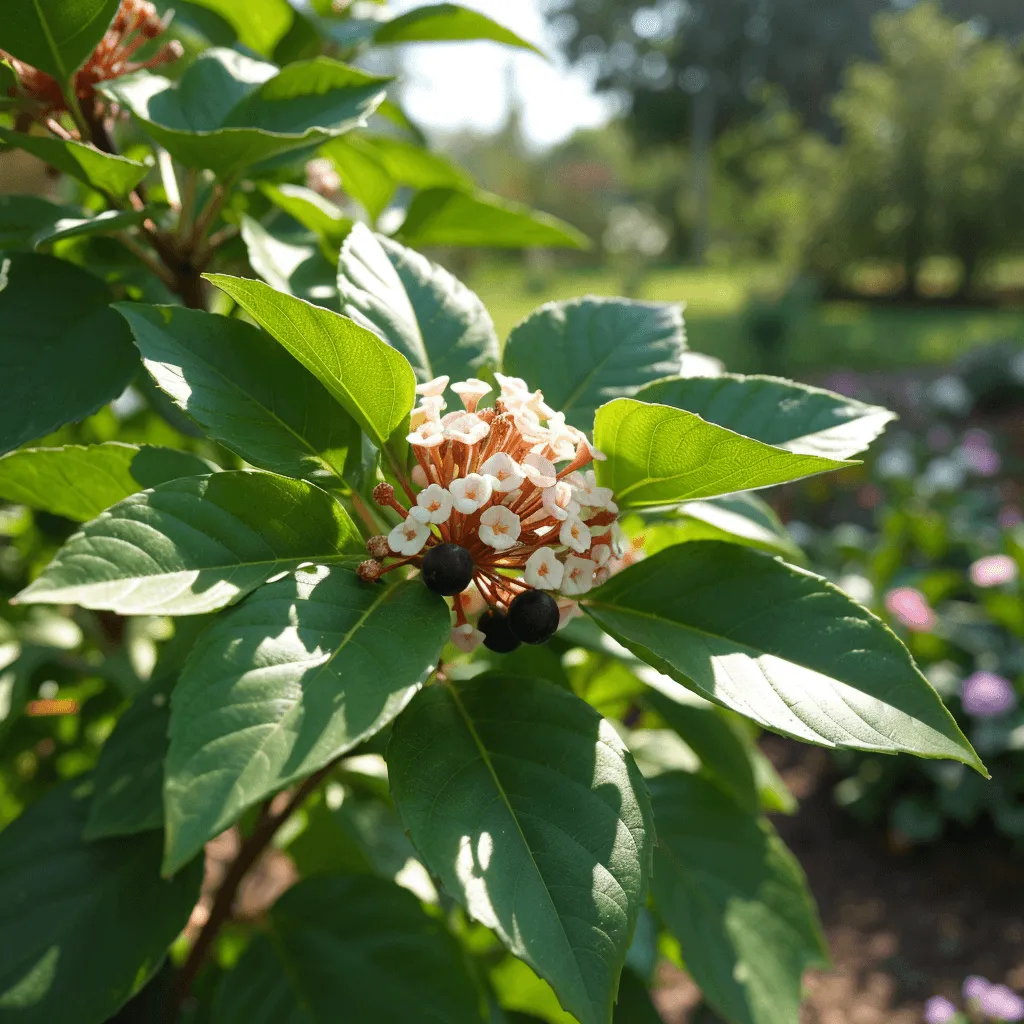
x,y
499,528
436,502
575,534
466,427
567,611
426,435
528,424
471,492
543,570
433,388
428,410
505,470
419,476
578,577
562,438
600,553
536,404
603,575
471,391
466,637
514,388
408,537
586,491
558,501
539,471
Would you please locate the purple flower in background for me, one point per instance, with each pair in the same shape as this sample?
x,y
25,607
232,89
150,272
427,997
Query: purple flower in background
x,y
910,607
975,987
1001,1003
939,1010
1010,516
993,571
986,695
977,454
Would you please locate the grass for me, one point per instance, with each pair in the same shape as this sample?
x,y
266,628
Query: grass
x,y
856,335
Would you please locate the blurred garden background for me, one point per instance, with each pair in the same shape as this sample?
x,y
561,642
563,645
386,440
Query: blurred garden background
x,y
835,189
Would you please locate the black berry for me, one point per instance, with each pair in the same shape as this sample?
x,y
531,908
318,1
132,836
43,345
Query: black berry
x,y
533,617
497,636
447,569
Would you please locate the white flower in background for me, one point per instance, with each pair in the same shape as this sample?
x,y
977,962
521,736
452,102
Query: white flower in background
x,y
408,537
471,493
544,570
471,391
435,502
578,577
466,637
505,470
433,388
500,528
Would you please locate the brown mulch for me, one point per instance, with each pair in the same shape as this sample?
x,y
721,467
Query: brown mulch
x,y
901,926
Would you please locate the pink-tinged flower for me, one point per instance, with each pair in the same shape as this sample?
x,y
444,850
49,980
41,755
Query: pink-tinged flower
x,y
471,493
408,537
544,570
939,1010
471,391
911,609
433,388
987,695
1009,517
575,534
505,471
993,571
499,528
998,1002
578,578
466,637
433,504
974,987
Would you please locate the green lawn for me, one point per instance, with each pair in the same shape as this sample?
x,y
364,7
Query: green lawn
x,y
839,334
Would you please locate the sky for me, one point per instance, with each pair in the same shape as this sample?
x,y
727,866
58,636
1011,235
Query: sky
x,y
466,86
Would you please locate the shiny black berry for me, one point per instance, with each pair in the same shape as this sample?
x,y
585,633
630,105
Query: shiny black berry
x,y
497,636
533,617
447,569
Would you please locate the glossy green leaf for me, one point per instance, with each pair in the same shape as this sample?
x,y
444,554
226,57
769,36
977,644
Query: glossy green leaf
x,y
440,23
418,307
59,360
355,942
363,174
108,222
54,35
296,267
312,211
260,24
658,455
736,900
244,390
129,778
368,377
21,217
411,164
445,216
195,545
108,172
585,352
228,111
298,674
801,419
551,851
155,465
779,645
83,925
739,518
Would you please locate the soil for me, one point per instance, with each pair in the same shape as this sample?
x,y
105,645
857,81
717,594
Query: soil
x,y
902,926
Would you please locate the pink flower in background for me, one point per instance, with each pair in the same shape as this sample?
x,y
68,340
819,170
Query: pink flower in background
x,y
1010,516
977,454
993,571
939,1010
975,987
911,608
1001,1003
986,695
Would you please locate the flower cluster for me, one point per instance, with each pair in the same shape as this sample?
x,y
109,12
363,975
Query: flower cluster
x,y
134,25
985,1001
501,498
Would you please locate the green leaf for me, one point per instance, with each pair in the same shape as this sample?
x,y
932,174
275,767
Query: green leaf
x,y
21,217
739,518
440,23
260,24
244,390
63,352
83,925
363,174
552,852
312,211
779,412
116,175
634,1005
300,673
129,778
228,111
368,377
658,455
298,268
411,164
779,645
356,942
418,307
585,352
446,216
106,223
155,465
8,81
195,545
723,755
54,36
736,900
